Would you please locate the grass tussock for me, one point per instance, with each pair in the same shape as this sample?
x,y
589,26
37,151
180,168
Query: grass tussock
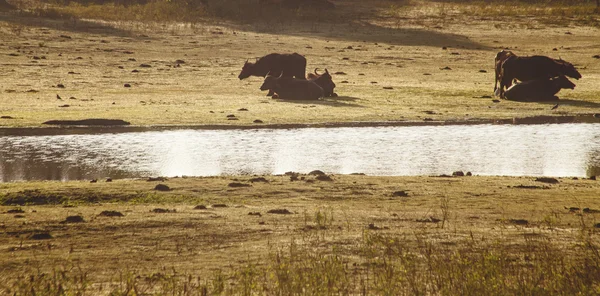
x,y
380,264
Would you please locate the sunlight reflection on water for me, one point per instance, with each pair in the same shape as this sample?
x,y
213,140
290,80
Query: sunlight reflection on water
x,y
513,150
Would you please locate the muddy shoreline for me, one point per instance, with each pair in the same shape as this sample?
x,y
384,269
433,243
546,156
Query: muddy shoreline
x,y
80,129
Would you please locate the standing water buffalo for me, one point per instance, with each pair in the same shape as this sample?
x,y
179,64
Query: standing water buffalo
x,y
532,68
324,81
538,90
288,88
291,65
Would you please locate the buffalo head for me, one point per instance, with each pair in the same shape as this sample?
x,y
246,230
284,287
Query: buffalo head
x,y
247,70
270,82
325,81
568,69
563,82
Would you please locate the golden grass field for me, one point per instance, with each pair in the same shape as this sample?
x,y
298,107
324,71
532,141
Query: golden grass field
x,y
386,46
523,223
353,234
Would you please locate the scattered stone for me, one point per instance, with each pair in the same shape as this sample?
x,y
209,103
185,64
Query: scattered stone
x,y
179,62
261,223
596,56
547,180
162,211
373,82
242,109
531,187
145,66
15,211
255,214
446,68
126,85
135,71
279,211
400,193
431,219
339,73
6,117
388,87
258,121
345,59
19,216
200,207
162,187
373,227
238,184
219,206
74,219
344,81
111,214
482,71
60,85
259,179
455,53
324,178
92,121
590,211
427,74
230,116
108,180
429,112
458,174
32,91
496,101
153,179
40,236
64,106
65,36
519,221
233,118
94,181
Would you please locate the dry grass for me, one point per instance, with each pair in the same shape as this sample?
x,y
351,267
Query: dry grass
x,y
345,236
375,51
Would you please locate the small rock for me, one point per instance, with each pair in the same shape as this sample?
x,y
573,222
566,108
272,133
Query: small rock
x,y
230,116
400,193
111,214
219,206
496,101
200,207
255,214
237,185
388,87
340,73
145,66
15,211
39,236
135,71
547,180
258,179
64,106
279,211
94,181
127,85
153,179
60,85
258,121
108,180
74,219
519,221
482,71
446,68
242,109
162,187
162,211
596,56
6,117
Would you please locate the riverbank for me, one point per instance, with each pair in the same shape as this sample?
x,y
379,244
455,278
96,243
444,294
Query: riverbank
x,y
414,65
247,232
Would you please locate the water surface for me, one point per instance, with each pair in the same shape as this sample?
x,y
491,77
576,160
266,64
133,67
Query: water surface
x,y
511,150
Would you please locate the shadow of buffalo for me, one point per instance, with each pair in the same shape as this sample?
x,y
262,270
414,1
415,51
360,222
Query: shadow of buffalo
x,y
341,101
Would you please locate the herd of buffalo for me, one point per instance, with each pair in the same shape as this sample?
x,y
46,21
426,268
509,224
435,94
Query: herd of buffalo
x,y
540,77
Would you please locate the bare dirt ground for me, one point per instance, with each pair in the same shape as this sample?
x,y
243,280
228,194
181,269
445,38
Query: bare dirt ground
x,y
406,64
236,226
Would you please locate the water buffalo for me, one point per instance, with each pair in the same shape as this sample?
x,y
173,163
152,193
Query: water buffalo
x,y
291,65
533,68
538,90
288,88
498,60
324,81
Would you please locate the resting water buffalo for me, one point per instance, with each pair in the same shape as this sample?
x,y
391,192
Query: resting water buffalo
x,y
324,81
288,88
500,58
532,68
291,65
538,90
